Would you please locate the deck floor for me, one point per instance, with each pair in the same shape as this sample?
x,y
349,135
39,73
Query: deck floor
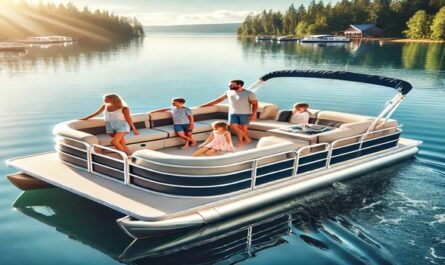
x,y
176,150
137,203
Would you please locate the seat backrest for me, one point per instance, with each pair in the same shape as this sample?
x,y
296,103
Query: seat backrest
x,y
336,119
97,126
210,113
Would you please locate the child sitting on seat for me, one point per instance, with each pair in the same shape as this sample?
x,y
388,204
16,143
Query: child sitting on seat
x,y
300,114
219,140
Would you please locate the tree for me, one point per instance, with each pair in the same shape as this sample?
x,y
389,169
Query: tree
x,y
290,20
418,26
438,25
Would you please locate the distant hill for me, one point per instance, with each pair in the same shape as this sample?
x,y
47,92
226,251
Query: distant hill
x,y
194,29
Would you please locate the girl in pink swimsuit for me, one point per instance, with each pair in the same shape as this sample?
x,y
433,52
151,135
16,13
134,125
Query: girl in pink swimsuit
x,y
219,140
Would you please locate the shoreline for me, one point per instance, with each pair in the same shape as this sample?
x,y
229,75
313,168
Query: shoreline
x,y
381,40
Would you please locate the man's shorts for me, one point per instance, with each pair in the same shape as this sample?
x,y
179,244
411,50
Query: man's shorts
x,y
241,119
182,128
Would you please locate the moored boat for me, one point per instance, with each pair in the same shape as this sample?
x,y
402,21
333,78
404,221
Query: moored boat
x,y
287,38
47,39
324,39
162,189
12,47
264,37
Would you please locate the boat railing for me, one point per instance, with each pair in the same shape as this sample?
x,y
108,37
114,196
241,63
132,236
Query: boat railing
x,y
363,144
191,181
102,163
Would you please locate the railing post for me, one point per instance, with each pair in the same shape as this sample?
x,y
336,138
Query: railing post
x,y
297,157
126,172
253,174
328,160
89,159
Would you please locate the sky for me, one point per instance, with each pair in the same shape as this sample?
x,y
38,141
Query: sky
x,y
182,12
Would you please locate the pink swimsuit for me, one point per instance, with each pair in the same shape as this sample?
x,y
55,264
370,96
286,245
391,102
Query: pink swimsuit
x,y
219,142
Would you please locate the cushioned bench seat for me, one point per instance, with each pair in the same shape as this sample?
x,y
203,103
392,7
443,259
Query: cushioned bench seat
x,y
145,135
265,125
199,128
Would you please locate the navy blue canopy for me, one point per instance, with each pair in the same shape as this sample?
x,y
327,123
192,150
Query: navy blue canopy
x,y
400,85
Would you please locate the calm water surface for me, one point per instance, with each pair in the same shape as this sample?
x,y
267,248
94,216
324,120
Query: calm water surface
x,y
392,216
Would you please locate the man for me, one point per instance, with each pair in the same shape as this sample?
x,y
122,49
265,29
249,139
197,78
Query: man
x,y
243,107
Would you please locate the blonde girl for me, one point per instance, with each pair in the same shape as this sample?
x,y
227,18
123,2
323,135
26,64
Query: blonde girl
x,y
219,140
117,120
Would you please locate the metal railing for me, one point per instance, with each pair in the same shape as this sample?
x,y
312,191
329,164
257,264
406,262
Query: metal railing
x,y
307,156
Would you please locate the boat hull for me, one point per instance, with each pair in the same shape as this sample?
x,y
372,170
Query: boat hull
x,y
143,229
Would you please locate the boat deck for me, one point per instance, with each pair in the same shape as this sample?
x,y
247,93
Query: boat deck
x,y
136,203
149,206
174,150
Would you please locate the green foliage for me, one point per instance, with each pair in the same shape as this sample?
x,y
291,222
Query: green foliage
x,y
24,20
418,26
438,25
318,18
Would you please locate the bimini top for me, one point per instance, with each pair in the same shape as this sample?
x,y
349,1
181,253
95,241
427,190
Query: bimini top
x,y
400,85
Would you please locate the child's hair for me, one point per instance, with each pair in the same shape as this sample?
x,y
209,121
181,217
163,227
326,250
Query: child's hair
x,y
116,100
301,104
180,100
220,124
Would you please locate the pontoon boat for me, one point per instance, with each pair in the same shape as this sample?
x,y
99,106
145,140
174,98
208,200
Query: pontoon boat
x,y
163,189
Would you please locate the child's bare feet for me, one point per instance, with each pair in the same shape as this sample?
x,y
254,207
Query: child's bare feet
x,y
247,141
193,143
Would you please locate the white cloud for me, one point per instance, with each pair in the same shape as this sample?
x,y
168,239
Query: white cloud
x,y
174,18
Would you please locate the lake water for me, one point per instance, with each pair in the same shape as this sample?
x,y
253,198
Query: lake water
x,y
392,216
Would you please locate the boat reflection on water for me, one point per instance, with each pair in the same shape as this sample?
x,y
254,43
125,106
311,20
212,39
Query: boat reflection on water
x,y
313,228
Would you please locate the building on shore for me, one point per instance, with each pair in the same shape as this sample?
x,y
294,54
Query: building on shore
x,y
363,31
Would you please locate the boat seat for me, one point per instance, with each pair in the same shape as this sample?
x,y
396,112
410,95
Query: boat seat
x,y
145,135
338,133
199,128
237,160
336,119
265,125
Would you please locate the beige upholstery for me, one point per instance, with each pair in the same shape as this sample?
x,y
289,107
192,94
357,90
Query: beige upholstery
x,y
336,134
160,115
223,108
267,110
199,127
265,125
234,161
341,116
71,129
205,110
145,135
357,127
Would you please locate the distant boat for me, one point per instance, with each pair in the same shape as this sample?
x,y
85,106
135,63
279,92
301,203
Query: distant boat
x,y
12,47
47,39
287,38
265,37
325,38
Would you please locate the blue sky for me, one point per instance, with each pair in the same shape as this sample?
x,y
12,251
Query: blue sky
x,y
174,12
